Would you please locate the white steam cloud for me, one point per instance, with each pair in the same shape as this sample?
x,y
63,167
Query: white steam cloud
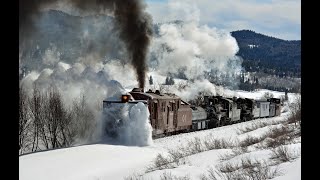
x,y
73,80
128,124
197,49
96,83
201,53
188,90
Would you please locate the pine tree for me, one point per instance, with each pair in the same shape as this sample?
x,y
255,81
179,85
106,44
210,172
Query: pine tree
x,y
151,80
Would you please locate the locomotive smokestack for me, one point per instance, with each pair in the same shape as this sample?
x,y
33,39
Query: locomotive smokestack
x,y
134,24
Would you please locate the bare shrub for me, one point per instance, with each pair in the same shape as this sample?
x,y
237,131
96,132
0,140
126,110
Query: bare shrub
x,y
212,143
256,125
235,152
162,162
278,131
248,163
134,177
37,119
83,120
277,136
260,171
178,156
212,175
271,143
249,140
57,119
24,117
250,128
45,122
282,154
195,146
169,176
295,112
246,169
228,167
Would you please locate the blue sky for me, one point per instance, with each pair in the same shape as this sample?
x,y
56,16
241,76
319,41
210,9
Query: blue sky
x,y
277,18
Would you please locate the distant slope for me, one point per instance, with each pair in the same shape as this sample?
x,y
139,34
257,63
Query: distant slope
x,y
268,54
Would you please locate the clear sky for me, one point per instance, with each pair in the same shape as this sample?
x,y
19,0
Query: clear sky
x,y
277,18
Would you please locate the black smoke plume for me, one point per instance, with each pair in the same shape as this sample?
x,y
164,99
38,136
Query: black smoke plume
x,y
134,24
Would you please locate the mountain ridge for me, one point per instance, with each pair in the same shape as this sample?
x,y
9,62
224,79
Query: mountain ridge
x,y
274,55
73,36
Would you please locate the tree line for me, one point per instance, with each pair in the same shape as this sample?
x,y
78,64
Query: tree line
x,y
45,122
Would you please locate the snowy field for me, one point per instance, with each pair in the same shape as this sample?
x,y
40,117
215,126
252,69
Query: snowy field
x,y
103,161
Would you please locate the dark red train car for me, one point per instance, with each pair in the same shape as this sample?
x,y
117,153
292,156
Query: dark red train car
x,y
168,113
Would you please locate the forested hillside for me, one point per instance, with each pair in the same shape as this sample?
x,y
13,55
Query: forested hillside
x,y
270,55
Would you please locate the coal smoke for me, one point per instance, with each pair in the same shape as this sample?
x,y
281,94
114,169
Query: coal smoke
x,y
134,24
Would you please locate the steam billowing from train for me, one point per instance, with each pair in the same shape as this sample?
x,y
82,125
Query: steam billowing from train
x,y
195,51
134,24
187,46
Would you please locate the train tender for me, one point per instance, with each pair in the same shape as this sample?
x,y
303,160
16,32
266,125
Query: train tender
x,y
199,118
169,114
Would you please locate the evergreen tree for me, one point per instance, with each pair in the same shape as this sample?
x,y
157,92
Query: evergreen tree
x,y
151,80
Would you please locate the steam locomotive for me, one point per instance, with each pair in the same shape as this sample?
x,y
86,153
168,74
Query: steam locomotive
x,y
169,114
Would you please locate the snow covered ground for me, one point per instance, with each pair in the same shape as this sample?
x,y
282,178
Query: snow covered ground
x,y
104,161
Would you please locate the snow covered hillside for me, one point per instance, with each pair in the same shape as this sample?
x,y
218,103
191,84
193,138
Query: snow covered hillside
x,y
268,148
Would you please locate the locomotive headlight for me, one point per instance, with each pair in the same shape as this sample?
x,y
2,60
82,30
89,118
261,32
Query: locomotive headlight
x,y
125,98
